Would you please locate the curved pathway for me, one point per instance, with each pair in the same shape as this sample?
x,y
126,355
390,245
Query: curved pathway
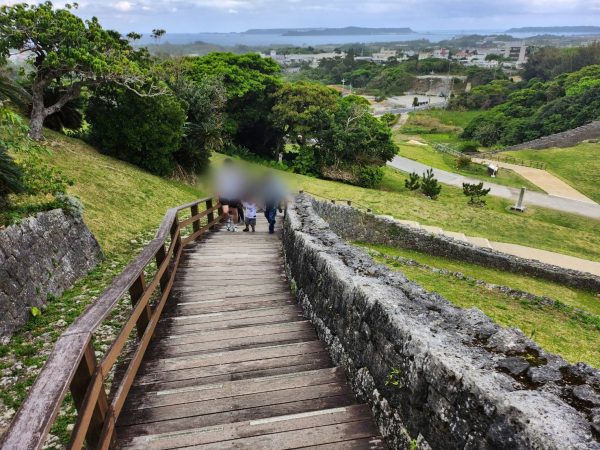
x,y
586,209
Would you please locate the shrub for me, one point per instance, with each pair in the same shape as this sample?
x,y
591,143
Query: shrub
x,y
145,131
390,119
304,162
368,176
462,162
476,192
430,186
469,147
414,182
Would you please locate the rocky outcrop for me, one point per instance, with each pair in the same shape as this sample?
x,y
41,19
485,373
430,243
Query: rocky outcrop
x,y
434,374
40,258
352,224
567,138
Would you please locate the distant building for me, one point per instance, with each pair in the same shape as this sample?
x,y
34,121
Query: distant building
x,y
516,52
441,53
384,55
299,59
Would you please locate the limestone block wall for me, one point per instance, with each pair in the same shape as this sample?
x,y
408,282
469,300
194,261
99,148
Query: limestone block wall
x,y
446,377
41,257
567,138
352,224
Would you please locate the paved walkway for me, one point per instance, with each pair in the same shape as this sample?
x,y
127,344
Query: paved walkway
x,y
568,205
556,259
234,364
541,178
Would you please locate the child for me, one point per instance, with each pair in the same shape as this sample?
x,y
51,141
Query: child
x,y
249,214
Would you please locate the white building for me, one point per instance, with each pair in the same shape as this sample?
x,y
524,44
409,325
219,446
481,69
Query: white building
x,y
384,55
298,59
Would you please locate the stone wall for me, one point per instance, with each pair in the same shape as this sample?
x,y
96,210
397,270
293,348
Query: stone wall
x,y
41,257
352,224
447,377
567,138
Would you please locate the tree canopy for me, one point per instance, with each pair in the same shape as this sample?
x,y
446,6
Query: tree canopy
x,y
68,53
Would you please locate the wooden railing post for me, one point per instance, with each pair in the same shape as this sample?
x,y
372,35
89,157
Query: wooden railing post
x,y
176,235
195,223
161,254
220,211
211,215
79,387
136,291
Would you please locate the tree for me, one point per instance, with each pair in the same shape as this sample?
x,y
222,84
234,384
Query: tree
x,y
413,182
146,131
250,82
203,131
476,192
68,53
430,186
301,109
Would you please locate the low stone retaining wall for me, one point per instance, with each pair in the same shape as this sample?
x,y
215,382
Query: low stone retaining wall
x,y
567,138
41,257
446,377
352,224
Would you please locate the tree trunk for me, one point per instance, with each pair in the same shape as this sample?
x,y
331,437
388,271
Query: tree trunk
x,y
38,113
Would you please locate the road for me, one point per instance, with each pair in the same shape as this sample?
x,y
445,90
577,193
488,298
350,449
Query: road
x,y
411,109
586,209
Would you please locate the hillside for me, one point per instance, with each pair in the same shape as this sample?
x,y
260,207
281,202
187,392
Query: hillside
x,y
578,166
120,199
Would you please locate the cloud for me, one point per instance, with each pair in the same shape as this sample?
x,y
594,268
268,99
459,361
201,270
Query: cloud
x,y
238,15
123,6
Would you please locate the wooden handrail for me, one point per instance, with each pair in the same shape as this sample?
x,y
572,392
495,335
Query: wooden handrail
x,y
72,364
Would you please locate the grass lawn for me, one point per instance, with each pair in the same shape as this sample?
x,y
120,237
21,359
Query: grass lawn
x,y
444,161
552,327
578,166
447,117
120,199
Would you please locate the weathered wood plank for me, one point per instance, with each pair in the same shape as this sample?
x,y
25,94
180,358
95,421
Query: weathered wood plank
x,y
207,373
234,403
248,429
256,413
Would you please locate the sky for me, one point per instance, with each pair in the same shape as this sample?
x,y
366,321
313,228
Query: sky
x,y
197,16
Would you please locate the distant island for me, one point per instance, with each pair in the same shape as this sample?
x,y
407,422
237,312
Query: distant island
x,y
347,31
573,29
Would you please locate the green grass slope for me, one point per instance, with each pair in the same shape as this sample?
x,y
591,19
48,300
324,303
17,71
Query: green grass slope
x,y
120,199
578,166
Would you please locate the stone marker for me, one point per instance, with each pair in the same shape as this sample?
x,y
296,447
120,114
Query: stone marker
x,y
519,206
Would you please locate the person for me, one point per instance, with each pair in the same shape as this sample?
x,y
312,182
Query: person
x,y
273,196
230,186
250,214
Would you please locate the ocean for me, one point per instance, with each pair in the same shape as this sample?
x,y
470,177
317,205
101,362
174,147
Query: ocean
x,y
253,40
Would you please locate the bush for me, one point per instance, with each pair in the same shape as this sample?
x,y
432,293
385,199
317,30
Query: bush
x,y
469,147
145,131
304,163
476,192
368,176
390,119
430,186
462,162
414,182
